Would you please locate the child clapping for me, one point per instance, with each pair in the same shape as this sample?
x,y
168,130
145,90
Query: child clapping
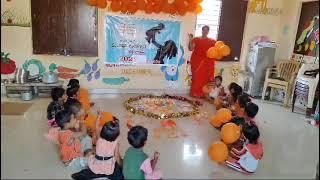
x,y
136,163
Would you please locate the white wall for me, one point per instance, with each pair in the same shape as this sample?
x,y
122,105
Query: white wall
x,y
18,41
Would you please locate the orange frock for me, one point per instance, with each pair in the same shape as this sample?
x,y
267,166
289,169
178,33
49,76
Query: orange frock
x,y
83,98
202,67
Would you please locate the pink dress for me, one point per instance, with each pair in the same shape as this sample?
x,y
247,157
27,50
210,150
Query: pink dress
x,y
148,172
104,148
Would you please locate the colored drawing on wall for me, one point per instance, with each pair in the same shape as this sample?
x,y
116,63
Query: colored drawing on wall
x,y
235,72
171,72
91,70
64,72
34,66
136,71
308,40
8,66
260,7
13,18
285,30
141,41
115,81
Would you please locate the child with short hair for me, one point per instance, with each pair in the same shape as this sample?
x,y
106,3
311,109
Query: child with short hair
x,y
82,94
241,103
246,160
136,163
214,88
107,162
72,92
72,149
250,112
58,98
75,107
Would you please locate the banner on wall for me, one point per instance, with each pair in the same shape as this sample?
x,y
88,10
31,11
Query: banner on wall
x,y
131,40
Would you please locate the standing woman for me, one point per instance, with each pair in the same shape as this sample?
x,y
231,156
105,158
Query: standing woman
x,y
202,67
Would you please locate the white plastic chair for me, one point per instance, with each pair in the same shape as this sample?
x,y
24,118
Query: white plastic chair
x,y
309,81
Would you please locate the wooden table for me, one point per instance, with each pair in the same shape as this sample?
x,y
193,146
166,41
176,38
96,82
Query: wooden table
x,y
37,88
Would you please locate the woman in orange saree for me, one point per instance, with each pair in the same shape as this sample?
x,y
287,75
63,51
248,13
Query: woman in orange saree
x,y
202,67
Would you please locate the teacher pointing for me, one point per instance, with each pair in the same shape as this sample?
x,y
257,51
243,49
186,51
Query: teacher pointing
x,y
202,67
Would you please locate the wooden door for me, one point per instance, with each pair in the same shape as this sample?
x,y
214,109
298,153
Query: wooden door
x,y
231,27
81,29
48,26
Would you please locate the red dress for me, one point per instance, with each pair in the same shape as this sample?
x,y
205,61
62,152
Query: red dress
x,y
202,67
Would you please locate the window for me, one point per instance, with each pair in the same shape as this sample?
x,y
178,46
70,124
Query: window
x,y
226,19
210,16
64,27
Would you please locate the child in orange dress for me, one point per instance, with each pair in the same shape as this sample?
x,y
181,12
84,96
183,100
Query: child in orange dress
x,y
213,89
247,159
71,143
82,94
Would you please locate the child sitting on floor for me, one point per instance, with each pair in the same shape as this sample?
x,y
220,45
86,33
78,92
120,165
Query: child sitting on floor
x,y
241,103
246,160
250,112
107,162
137,164
82,94
75,107
229,100
72,149
213,89
58,98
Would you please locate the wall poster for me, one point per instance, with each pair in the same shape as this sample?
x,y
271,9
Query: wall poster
x,y
131,40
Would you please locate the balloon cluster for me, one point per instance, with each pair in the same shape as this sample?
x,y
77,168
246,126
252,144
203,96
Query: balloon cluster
x,y
150,6
218,51
229,133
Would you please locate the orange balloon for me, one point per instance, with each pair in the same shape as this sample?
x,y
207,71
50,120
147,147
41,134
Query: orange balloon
x,y
92,2
141,4
102,4
218,151
148,9
218,44
132,8
230,133
166,7
223,115
212,52
225,50
219,57
157,8
182,10
215,122
199,9
192,6
115,6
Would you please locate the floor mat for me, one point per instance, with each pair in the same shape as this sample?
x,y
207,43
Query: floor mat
x,y
14,108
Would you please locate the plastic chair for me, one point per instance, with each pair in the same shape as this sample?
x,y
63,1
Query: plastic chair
x,y
310,83
281,77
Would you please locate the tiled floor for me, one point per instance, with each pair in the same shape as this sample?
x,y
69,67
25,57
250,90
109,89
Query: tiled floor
x,y
291,146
